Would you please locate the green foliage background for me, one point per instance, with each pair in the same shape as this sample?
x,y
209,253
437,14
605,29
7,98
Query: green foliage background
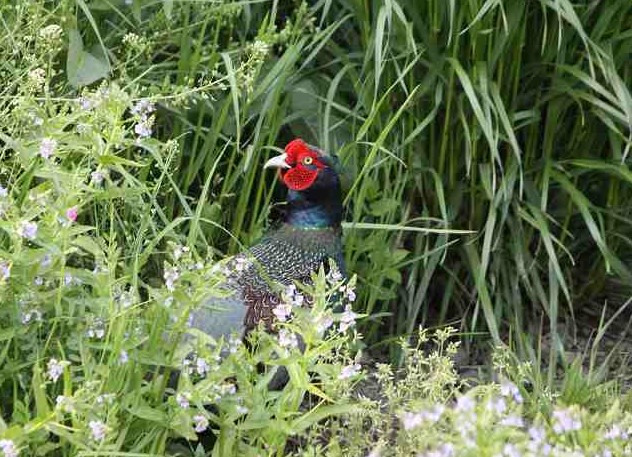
x,y
507,119
486,145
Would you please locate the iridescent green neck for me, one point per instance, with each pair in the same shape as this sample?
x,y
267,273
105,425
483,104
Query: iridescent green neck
x,y
313,211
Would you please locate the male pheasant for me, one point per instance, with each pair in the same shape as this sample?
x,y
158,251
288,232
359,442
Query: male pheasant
x,y
309,237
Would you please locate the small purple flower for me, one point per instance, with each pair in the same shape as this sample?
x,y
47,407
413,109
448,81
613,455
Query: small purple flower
x,y
46,260
85,103
72,213
27,229
512,421
47,147
123,357
202,367
465,404
334,276
143,129
350,371
64,404
510,450
411,420
97,329
9,448
171,275
509,389
432,415
183,399
444,450
287,339
5,270
143,107
97,177
228,388
322,322
98,430
56,368
347,319
497,405
282,312
616,433
565,420
200,422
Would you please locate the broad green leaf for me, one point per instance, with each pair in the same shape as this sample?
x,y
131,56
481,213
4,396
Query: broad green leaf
x,y
82,67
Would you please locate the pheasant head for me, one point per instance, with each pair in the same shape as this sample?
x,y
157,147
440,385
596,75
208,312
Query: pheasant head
x,y
314,196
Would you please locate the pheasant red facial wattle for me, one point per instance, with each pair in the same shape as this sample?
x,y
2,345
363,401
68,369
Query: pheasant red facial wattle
x,y
304,166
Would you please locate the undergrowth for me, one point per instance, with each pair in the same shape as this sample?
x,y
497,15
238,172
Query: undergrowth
x,y
489,148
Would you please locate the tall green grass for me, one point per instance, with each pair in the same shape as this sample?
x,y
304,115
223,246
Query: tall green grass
x,y
487,142
508,118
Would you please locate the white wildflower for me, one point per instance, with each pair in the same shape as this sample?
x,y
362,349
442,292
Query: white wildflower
x,y
179,251
347,319
9,448
31,315
200,422
282,311
171,275
287,339
616,433
322,322
512,421
465,404
5,270
509,389
183,399
51,33
56,368
105,399
97,177
65,404
98,430
349,371
37,77
47,147
565,420
334,276
27,229
201,366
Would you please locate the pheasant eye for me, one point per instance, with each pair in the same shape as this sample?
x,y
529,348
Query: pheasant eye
x,y
308,160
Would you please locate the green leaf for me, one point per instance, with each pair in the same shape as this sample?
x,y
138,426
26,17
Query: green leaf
x,y
384,206
82,67
167,8
148,413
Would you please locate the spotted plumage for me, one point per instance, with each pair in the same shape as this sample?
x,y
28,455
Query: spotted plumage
x,y
308,238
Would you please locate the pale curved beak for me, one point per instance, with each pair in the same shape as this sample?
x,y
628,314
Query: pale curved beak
x,y
277,162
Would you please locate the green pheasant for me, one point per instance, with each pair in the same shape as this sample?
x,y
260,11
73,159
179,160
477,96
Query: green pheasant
x,y
308,238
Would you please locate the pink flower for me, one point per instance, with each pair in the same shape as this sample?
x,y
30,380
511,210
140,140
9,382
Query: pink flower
x,y
71,214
